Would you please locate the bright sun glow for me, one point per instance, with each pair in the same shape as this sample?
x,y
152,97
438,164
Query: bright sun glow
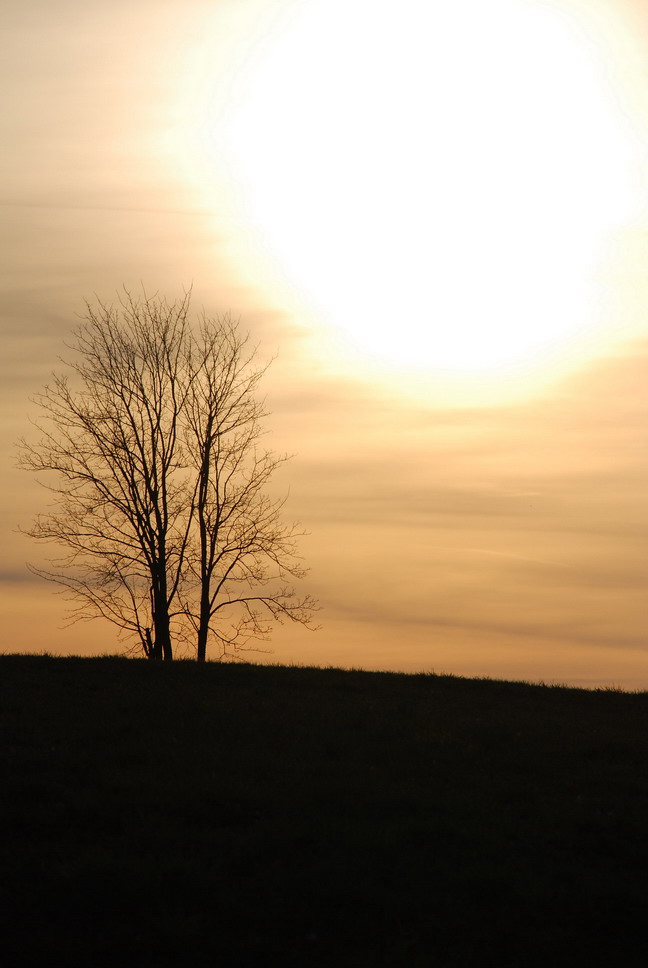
x,y
437,178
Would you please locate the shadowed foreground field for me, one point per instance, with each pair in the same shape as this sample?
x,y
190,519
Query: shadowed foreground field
x,y
242,815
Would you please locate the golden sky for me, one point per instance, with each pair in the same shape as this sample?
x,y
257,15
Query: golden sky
x,y
437,216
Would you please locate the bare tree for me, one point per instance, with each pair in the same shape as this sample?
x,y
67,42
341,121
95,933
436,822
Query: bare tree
x,y
241,552
160,483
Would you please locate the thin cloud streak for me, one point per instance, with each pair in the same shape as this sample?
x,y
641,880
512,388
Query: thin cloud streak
x,y
509,554
68,207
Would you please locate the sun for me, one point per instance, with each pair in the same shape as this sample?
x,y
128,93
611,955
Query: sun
x,y
436,180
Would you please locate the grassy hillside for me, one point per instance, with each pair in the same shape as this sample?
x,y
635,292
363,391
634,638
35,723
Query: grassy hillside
x,y
242,815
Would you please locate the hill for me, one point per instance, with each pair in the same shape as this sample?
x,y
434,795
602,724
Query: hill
x,y
247,815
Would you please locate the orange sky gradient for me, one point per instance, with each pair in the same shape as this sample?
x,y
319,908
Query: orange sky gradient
x,y
438,222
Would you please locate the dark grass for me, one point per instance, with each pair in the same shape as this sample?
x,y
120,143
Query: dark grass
x,y
241,815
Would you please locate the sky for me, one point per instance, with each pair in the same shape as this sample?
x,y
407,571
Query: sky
x,y
435,218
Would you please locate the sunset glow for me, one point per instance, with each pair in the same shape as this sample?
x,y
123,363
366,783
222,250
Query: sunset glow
x,y
432,218
438,181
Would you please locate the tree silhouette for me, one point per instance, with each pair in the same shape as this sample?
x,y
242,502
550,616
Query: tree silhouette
x,y
160,499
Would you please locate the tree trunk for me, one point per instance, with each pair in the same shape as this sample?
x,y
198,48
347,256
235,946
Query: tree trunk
x,y
151,648
161,625
163,649
203,627
205,571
